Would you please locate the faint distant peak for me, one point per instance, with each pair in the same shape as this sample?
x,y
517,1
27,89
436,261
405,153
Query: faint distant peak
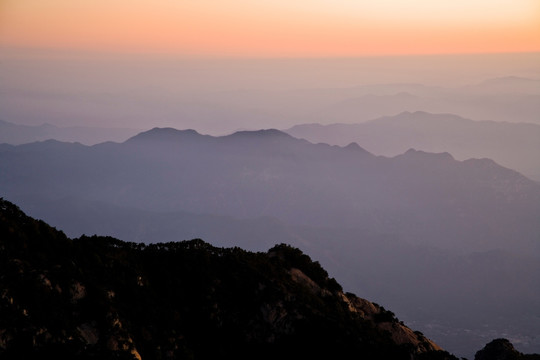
x,y
7,124
51,144
165,135
404,94
355,147
264,133
391,89
421,113
508,84
360,100
306,125
260,136
47,126
423,155
398,94
510,80
422,116
44,126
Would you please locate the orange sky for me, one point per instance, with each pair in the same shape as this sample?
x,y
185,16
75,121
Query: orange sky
x,y
274,27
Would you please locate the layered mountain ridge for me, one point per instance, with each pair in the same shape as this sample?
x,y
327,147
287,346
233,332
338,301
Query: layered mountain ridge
x,y
378,224
513,145
17,134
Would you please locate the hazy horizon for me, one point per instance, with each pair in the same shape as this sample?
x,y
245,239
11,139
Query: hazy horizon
x,y
70,88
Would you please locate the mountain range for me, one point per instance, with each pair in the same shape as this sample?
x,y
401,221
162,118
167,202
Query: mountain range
x,y
513,145
504,99
16,134
378,224
118,96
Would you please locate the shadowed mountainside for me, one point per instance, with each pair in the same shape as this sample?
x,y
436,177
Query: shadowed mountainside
x,y
103,298
502,349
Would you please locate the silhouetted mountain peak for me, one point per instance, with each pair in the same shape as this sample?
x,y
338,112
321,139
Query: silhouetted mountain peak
x,y
268,138
259,134
502,349
166,135
51,144
171,135
355,147
423,155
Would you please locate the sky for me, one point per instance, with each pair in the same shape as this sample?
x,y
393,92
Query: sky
x,y
193,63
273,28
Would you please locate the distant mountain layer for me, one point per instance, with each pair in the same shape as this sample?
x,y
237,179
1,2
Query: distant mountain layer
x,y
21,134
504,99
103,298
424,197
514,145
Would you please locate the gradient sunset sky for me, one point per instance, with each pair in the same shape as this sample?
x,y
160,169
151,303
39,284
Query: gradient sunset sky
x,y
273,28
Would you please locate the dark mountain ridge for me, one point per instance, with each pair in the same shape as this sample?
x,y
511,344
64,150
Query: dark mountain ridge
x,y
268,173
502,349
269,140
103,298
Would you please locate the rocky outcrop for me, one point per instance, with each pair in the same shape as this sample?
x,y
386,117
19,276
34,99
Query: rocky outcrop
x,y
386,321
103,298
502,349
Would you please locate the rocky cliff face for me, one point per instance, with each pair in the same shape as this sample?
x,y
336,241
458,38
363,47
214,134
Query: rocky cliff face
x,y
104,298
386,321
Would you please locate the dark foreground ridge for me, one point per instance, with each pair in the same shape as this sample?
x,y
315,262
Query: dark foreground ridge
x,y
102,298
502,349
99,297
